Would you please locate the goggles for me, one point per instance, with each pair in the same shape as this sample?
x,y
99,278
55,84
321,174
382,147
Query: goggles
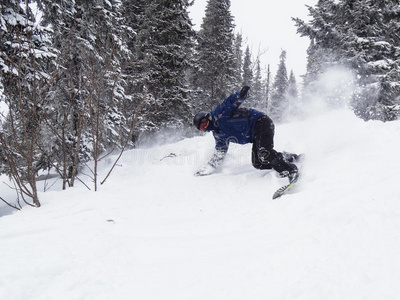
x,y
204,124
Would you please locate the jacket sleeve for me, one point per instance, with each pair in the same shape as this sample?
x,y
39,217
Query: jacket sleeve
x,y
228,106
221,145
221,148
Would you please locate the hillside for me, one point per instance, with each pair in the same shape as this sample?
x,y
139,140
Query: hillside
x,y
155,231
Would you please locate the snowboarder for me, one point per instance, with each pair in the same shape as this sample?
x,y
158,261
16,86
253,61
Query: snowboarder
x,y
231,123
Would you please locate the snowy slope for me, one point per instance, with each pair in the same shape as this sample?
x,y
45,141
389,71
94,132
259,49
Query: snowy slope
x,y
154,231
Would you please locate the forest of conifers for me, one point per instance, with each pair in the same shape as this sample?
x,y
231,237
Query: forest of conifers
x,y
80,79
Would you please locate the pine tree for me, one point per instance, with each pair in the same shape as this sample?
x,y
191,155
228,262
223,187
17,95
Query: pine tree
x,y
376,42
216,73
238,59
292,95
24,51
164,49
292,87
257,88
133,18
247,69
278,102
362,35
267,89
88,87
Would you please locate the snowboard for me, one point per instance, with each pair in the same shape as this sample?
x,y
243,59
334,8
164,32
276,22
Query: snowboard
x,y
281,191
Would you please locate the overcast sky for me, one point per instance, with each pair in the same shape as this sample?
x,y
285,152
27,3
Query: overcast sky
x,y
267,24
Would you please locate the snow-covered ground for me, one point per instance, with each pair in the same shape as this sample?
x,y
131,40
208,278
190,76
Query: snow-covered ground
x,y
155,231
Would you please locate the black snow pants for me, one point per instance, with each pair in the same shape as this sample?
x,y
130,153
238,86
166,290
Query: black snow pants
x,y
263,154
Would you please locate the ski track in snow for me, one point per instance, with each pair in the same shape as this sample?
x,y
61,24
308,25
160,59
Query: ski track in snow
x,y
155,231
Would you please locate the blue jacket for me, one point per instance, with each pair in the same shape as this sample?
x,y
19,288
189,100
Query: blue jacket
x,y
233,124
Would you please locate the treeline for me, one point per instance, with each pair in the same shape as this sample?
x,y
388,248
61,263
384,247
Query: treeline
x,y
80,79
363,36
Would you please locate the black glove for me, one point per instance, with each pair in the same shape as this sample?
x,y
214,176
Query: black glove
x,y
243,92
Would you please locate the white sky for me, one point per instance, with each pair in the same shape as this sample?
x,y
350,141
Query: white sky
x,y
267,25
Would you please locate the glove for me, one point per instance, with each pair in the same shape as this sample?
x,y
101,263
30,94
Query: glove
x,y
214,162
244,91
206,170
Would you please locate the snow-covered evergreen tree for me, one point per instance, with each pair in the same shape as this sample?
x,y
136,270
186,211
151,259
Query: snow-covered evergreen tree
x,y
257,94
238,52
216,74
87,92
247,68
267,89
292,90
133,18
362,35
24,50
278,104
164,50
292,95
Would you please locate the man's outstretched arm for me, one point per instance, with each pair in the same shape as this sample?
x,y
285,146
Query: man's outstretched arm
x,y
230,104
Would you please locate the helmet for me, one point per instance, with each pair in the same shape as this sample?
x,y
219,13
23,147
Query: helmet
x,y
199,117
